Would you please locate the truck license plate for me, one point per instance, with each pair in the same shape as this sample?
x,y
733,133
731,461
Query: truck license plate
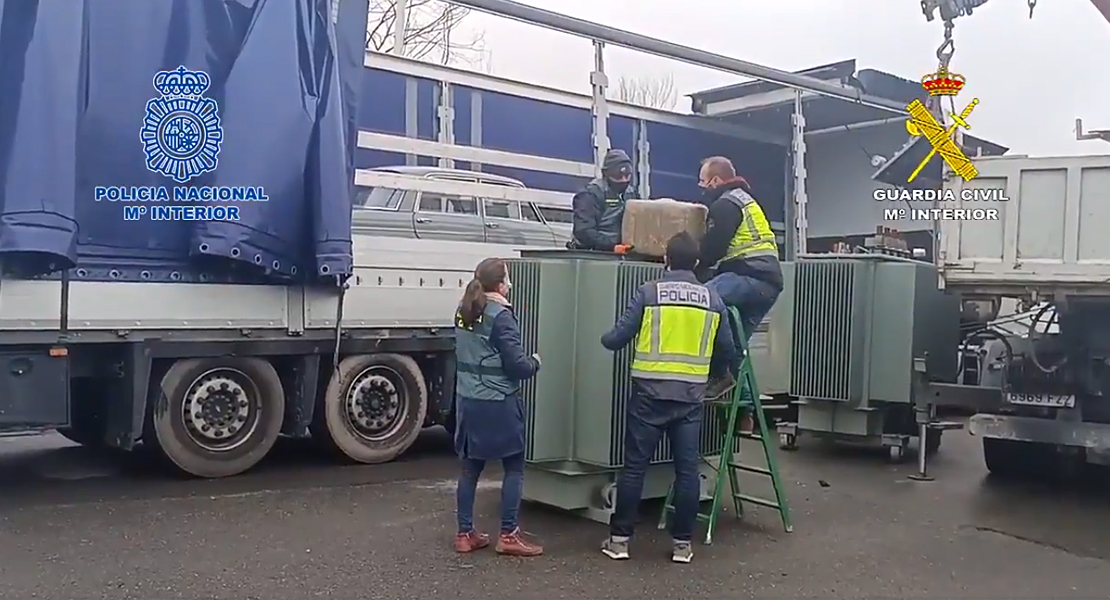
x,y
1046,400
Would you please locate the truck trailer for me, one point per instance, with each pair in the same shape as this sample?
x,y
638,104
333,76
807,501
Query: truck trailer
x,y
132,312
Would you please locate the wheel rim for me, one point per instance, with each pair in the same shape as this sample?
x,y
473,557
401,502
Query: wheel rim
x,y
221,409
376,403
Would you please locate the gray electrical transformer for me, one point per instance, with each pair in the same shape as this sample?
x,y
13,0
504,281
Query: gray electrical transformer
x,y
575,406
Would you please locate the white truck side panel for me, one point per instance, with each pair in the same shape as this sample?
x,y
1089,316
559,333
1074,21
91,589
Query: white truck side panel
x,y
1049,237
403,283
36,305
398,283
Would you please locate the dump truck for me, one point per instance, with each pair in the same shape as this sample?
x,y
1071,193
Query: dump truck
x,y
1037,378
178,269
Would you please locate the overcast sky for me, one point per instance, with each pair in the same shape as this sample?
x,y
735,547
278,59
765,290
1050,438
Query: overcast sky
x,y
1033,77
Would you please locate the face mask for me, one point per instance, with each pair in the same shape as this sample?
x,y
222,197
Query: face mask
x,y
708,194
619,186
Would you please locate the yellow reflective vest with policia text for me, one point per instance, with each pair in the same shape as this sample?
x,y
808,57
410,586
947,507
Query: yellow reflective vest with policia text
x,y
682,324
678,329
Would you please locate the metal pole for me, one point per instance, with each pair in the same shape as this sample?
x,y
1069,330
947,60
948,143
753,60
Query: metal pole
x,y
599,107
801,199
643,161
445,121
922,457
1081,135
854,126
650,45
400,26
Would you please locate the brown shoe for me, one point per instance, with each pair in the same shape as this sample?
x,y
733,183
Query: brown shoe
x,y
512,544
470,541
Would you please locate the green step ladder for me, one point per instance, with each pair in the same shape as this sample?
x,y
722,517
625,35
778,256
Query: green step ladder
x,y
744,395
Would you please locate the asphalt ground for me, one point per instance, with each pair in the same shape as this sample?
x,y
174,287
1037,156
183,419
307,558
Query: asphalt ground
x,y
79,524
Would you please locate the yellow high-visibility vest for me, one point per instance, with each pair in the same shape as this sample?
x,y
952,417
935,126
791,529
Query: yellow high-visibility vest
x,y
754,236
677,334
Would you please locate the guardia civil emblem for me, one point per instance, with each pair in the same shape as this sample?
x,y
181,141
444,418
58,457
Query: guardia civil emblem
x,y
181,132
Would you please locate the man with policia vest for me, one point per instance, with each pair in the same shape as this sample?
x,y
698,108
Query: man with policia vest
x,y
679,327
599,207
739,251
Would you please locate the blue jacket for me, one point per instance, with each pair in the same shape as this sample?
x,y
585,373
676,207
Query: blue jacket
x,y
493,430
628,326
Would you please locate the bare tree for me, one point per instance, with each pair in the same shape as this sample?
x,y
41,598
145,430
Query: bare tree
x,y
431,32
655,92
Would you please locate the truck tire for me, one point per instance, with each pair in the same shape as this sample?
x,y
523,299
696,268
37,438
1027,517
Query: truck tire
x,y
373,408
215,417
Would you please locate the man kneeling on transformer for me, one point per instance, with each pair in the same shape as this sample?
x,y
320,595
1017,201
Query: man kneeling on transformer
x,y
739,256
676,323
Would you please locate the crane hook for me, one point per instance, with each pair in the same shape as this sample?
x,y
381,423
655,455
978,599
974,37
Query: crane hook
x,y
947,47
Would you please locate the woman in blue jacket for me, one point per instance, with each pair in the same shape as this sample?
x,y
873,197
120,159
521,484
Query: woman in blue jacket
x,y
491,363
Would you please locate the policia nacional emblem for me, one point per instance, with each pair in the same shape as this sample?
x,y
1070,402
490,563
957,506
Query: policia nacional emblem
x,y
181,131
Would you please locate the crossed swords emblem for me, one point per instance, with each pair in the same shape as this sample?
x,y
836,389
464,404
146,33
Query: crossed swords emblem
x,y
922,122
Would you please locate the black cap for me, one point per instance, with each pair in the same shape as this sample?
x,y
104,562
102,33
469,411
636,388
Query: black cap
x,y
616,163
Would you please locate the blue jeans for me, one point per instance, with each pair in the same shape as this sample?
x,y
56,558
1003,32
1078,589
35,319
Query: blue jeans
x,y
512,488
752,297
648,419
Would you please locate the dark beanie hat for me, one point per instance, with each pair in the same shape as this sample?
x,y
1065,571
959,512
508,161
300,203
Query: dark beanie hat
x,y
615,159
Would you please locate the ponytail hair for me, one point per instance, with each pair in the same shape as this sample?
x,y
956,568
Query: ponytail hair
x,y
488,276
473,303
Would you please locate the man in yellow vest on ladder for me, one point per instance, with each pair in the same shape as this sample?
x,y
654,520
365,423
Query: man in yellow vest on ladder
x,y
679,327
739,255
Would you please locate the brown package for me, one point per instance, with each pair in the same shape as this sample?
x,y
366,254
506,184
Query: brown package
x,y
649,224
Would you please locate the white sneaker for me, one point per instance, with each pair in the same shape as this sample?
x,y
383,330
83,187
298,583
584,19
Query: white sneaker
x,y
614,549
683,552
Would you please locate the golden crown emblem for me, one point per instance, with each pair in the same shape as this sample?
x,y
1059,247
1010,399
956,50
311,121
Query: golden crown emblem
x,y
943,83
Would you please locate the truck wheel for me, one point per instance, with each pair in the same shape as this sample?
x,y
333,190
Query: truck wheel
x,y
373,408
216,417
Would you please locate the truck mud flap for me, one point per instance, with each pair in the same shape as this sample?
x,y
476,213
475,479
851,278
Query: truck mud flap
x,y
126,406
34,388
302,387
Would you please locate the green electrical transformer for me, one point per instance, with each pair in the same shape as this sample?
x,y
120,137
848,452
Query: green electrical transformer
x,y
860,328
575,406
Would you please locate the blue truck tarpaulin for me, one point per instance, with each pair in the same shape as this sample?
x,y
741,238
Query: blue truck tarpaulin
x,y
178,140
